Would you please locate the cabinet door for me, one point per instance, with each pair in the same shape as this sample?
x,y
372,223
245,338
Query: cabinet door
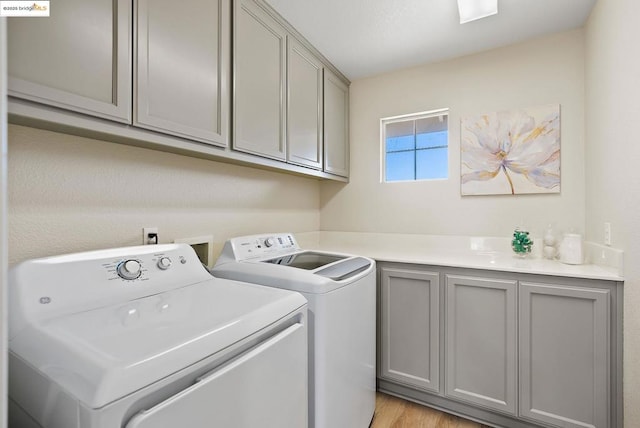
x,y
182,68
481,341
304,108
564,355
259,57
336,125
409,328
79,58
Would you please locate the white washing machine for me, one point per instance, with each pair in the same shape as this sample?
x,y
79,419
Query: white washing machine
x,y
341,294
144,337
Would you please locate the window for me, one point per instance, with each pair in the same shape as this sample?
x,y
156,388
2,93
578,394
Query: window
x,y
415,146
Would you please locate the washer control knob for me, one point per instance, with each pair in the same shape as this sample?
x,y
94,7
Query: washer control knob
x,y
268,242
164,263
129,269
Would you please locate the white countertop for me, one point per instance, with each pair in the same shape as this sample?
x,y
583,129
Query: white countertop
x,y
486,253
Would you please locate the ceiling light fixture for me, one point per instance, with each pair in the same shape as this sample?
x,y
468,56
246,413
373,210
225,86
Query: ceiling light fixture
x,y
470,10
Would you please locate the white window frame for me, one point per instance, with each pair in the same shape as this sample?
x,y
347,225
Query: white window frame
x,y
407,117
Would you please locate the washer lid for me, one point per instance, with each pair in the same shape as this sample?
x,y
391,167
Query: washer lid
x,y
308,260
279,273
102,355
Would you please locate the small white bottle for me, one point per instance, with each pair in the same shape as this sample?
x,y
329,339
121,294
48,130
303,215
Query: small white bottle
x,y
549,250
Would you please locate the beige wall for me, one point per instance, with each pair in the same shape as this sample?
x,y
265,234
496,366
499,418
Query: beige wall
x,y
612,159
545,71
69,194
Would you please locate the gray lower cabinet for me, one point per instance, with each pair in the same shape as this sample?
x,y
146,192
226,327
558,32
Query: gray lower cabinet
x,y
304,107
410,327
182,67
481,341
336,125
511,349
78,59
564,355
259,97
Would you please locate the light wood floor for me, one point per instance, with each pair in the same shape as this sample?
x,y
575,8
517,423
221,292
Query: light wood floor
x,y
392,412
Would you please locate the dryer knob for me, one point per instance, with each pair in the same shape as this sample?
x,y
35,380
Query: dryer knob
x,y
164,263
129,269
268,242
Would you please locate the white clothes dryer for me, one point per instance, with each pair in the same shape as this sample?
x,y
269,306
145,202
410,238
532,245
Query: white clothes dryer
x,y
341,294
144,337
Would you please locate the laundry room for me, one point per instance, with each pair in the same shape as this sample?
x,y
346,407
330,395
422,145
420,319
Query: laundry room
x,y
91,162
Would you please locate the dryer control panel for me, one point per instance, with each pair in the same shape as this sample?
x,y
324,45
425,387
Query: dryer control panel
x,y
50,287
259,246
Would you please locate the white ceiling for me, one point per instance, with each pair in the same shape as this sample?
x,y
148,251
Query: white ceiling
x,y
367,37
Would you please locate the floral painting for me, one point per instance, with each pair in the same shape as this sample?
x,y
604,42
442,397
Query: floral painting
x,y
511,152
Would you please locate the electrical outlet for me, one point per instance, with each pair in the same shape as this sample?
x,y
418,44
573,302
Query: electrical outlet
x,y
607,233
150,235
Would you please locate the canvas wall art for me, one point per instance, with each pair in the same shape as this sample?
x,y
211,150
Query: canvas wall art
x,y
511,152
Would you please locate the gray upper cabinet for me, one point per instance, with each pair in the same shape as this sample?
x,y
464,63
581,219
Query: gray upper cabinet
x,y
230,80
564,355
336,125
78,59
259,56
480,337
410,327
182,69
304,109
